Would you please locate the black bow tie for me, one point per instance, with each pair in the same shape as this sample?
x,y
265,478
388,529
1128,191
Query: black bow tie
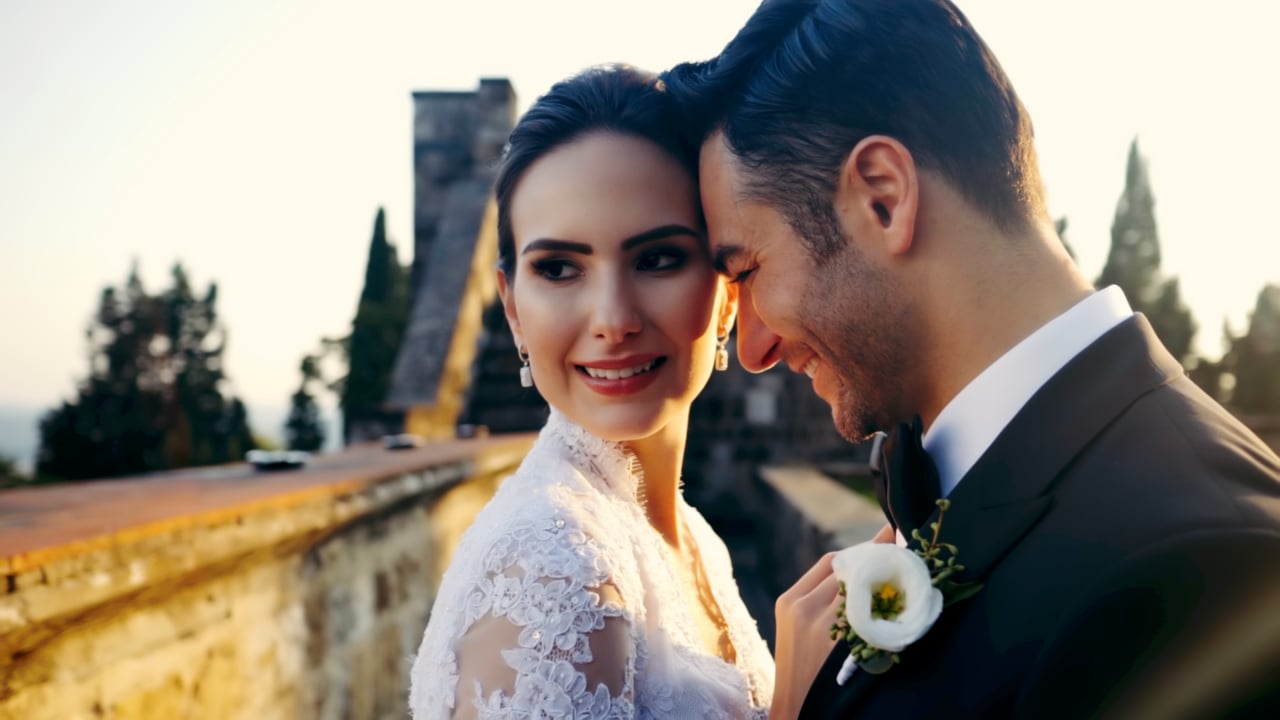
x,y
905,478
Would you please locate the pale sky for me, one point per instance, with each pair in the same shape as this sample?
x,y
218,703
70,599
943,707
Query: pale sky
x,y
255,140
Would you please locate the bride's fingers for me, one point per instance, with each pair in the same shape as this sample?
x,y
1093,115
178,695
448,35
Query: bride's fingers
x,y
816,606
824,599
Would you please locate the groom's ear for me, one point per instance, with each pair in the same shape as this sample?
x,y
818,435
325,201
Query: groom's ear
x,y
509,308
878,195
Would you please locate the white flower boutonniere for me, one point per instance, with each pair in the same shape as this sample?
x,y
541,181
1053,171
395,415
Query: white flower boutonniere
x,y
893,596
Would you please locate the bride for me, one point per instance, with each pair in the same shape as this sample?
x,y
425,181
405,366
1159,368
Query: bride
x,y
587,587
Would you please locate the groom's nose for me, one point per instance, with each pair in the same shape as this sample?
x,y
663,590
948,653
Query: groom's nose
x,y
758,346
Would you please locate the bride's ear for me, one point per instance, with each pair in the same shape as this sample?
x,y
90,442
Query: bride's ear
x,y
509,308
728,309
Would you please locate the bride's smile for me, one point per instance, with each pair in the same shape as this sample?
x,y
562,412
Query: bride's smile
x,y
622,376
612,293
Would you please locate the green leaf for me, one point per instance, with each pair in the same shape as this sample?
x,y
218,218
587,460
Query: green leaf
x,y
956,592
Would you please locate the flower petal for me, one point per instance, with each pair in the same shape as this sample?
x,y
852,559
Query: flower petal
x,y
867,567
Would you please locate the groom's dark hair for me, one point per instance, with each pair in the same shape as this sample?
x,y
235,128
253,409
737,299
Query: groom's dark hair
x,y
805,81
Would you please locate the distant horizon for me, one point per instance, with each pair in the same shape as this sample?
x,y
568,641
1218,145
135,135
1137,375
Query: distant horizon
x,y
20,433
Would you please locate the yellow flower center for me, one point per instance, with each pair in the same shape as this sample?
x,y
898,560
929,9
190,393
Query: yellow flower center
x,y
887,601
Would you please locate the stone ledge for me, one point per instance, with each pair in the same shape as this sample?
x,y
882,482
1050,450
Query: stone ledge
x,y
88,545
810,514
837,515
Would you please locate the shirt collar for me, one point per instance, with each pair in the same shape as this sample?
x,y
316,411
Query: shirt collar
x,y
968,424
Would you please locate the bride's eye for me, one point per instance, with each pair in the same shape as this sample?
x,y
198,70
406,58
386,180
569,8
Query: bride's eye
x,y
555,269
657,260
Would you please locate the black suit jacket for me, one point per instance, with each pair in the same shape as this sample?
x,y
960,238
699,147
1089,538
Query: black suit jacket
x,y
1127,531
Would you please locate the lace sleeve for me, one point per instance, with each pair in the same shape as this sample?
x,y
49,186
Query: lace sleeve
x,y
533,662
546,633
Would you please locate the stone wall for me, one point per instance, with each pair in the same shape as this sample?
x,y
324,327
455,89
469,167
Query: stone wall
x,y
812,515
804,514
224,593
234,594
450,341
458,141
455,136
743,421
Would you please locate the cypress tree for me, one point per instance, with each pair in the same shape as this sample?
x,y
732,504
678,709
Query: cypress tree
x,y
376,332
1133,262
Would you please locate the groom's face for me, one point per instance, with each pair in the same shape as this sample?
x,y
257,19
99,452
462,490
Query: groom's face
x,y
836,319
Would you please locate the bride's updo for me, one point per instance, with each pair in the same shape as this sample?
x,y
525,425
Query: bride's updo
x,y
610,98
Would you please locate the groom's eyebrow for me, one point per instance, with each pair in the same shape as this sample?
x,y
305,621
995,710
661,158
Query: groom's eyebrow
x,y
724,253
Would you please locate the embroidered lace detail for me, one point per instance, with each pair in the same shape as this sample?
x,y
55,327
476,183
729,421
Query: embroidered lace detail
x,y
607,461
559,602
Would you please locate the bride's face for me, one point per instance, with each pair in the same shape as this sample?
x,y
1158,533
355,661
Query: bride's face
x,y
613,295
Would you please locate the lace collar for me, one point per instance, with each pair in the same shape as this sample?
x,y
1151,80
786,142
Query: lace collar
x,y
606,462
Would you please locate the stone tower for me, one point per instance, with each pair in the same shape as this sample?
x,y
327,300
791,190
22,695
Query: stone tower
x,y
456,136
456,363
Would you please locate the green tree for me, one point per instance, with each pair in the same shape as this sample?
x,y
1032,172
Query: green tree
x,y
303,430
376,333
1133,262
152,399
1254,358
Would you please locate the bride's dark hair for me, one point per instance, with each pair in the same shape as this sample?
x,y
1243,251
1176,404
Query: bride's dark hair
x,y
611,98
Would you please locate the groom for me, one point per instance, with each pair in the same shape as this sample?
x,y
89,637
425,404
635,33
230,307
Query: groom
x,y
870,180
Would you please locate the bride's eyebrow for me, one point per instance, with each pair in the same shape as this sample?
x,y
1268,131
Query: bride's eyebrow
x,y
556,245
659,233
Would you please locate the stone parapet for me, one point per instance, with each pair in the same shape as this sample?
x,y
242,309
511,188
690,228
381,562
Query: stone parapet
x,y
229,593
809,514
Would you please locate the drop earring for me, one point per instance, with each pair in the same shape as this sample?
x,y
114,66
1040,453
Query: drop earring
x,y
526,373
722,353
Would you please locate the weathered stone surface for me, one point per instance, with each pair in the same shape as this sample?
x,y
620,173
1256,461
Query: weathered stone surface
x,y
455,136
458,141
811,514
304,605
743,421
445,366
433,367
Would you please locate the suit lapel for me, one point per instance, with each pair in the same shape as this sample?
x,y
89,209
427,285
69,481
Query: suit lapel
x,y
1010,487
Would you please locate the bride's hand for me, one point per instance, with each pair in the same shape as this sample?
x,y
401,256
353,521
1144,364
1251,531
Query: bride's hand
x,y
804,615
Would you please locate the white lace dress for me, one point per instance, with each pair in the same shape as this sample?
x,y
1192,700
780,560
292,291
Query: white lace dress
x,y
562,601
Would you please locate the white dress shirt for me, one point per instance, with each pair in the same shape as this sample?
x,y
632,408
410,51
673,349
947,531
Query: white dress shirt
x,y
968,424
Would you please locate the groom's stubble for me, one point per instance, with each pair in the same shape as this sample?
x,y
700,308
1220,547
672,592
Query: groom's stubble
x,y
864,320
